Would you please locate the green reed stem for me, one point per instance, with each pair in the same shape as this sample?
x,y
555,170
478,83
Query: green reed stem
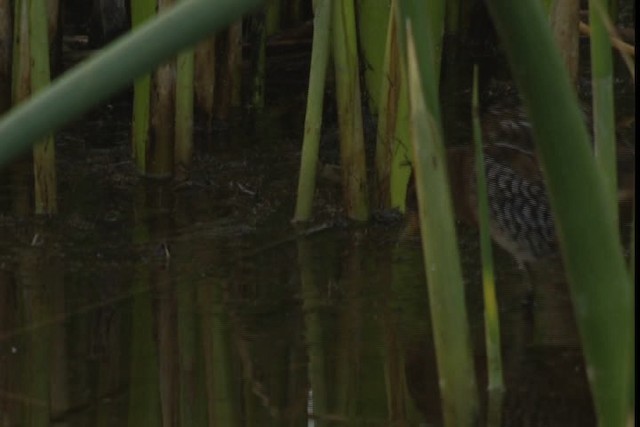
x,y
564,18
347,72
44,153
442,262
313,118
314,333
184,115
402,152
393,152
141,11
162,114
581,201
491,318
21,69
273,12
387,113
372,16
602,88
96,79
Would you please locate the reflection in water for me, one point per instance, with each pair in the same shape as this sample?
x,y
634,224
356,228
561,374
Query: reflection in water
x,y
169,311
148,305
207,335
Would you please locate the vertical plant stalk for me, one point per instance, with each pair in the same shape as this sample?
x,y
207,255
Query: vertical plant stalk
x,y
582,203
435,21
603,105
21,68
314,333
166,334
234,63
313,117
404,320
440,251
60,358
372,16
140,122
399,400
188,349
259,57
185,66
352,157
400,404
36,349
192,385
160,149
6,34
113,69
402,152
141,10
219,363
349,339
565,16
491,319
184,115
273,12
44,154
144,407
54,36
22,203
387,113
205,80
21,183
626,50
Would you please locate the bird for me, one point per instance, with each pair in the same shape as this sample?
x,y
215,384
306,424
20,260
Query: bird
x,y
520,217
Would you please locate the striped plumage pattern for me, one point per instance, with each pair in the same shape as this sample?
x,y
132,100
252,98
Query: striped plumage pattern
x,y
520,219
520,215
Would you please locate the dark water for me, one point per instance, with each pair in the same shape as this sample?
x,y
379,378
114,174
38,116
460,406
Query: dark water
x,y
147,303
144,304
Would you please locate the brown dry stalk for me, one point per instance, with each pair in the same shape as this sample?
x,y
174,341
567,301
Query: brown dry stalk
x,y
622,46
